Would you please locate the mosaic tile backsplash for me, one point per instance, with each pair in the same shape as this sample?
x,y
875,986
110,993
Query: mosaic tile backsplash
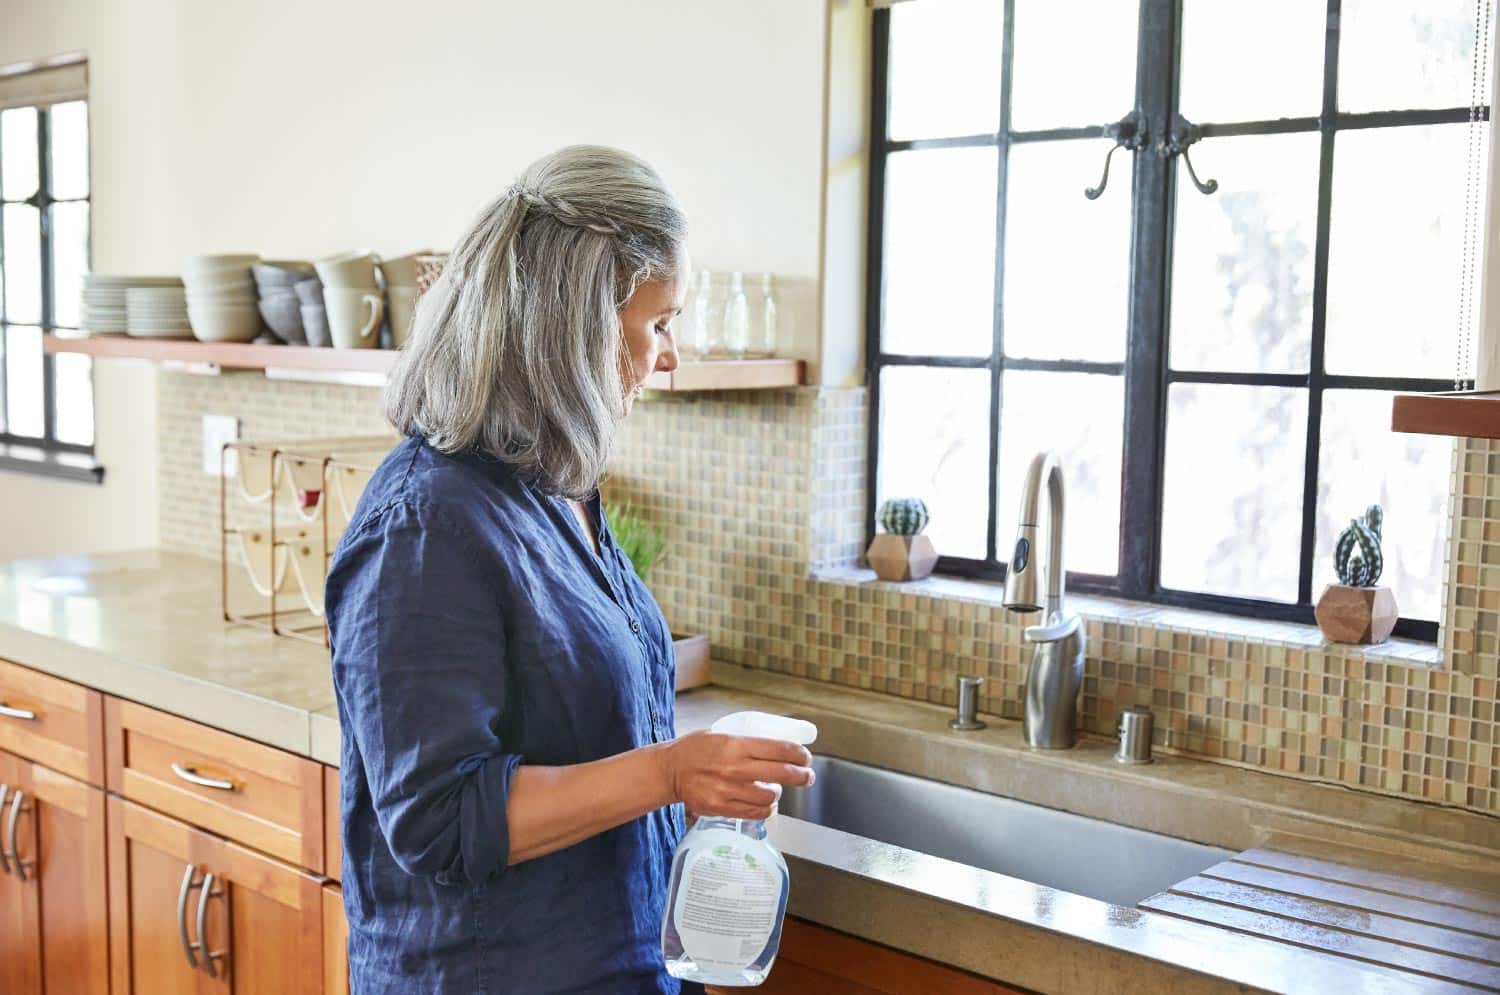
x,y
761,497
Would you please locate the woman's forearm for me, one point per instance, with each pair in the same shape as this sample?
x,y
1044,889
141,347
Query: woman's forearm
x,y
551,808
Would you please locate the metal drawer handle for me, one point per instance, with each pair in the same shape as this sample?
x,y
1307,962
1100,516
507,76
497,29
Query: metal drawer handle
x,y
4,860
188,884
17,806
17,713
193,777
209,956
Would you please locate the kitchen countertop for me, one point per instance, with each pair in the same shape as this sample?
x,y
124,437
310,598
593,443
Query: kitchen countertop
x,y
146,626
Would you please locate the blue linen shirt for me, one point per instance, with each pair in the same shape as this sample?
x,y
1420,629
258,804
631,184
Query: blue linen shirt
x,y
474,628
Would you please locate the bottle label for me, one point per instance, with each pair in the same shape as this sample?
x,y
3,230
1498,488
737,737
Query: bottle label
x,y
726,906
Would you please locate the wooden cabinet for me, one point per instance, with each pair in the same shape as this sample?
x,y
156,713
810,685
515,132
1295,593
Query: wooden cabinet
x,y
263,797
189,912
814,959
335,942
333,839
52,721
53,903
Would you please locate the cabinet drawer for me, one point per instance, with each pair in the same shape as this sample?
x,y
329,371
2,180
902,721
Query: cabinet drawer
x,y
55,722
263,797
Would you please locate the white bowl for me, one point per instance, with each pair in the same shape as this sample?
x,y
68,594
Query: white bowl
x,y
227,281
200,264
220,297
239,326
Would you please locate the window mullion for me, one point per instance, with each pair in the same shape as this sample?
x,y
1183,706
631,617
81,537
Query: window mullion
x,y
44,187
880,48
997,348
1146,347
1316,380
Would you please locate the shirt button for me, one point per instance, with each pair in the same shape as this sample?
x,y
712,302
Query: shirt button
x,y
635,627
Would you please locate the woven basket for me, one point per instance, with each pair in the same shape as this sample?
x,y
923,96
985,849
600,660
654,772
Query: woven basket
x,y
428,269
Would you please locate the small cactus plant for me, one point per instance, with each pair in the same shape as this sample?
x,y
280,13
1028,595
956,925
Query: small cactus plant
x,y
903,516
1356,555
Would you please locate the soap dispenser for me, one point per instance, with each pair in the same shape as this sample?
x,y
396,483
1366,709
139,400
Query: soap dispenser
x,y
729,885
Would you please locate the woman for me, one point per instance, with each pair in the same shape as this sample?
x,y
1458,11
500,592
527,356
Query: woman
x,y
512,785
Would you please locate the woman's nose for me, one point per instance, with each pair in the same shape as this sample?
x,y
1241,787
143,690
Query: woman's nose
x,y
666,360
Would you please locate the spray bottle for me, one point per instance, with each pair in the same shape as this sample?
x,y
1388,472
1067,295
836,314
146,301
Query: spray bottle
x,y
729,884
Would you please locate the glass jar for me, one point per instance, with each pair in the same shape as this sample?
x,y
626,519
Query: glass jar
x,y
737,318
707,316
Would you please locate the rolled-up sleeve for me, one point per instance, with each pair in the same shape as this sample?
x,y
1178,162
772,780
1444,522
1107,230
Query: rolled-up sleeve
x,y
419,664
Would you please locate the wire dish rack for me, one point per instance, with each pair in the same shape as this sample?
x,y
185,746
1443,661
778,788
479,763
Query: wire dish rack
x,y
282,508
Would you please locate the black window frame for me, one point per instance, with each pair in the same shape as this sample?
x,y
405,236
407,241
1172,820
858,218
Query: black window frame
x,y
46,454
1146,368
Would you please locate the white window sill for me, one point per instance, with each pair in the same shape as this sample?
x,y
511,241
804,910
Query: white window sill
x,y
1093,608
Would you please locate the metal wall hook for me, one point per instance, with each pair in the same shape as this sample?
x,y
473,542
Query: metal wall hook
x,y
1184,134
1128,133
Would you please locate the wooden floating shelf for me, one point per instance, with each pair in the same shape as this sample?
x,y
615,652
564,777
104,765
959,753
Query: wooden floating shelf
x,y
1471,414
700,375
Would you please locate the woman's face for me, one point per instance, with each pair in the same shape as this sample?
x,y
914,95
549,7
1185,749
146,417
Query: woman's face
x,y
646,323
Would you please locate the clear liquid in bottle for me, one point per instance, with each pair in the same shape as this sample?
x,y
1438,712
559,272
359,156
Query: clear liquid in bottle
x,y
729,885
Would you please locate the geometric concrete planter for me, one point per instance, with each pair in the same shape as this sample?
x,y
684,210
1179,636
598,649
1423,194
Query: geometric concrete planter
x,y
1359,615
899,557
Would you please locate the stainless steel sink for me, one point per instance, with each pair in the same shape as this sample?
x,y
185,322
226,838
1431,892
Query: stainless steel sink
x,y
1069,852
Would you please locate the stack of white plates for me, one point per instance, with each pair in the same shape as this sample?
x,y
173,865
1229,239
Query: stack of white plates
x,y
221,299
157,313
104,304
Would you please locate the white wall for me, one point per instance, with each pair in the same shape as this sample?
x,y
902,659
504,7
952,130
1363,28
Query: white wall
x,y
298,129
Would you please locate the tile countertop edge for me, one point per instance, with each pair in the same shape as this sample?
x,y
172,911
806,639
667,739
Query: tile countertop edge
x,y
283,726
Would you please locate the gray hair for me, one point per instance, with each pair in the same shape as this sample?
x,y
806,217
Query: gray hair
x,y
516,351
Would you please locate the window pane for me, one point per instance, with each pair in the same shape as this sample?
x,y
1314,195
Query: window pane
x,y
23,380
1081,417
1362,462
1397,56
69,131
19,170
1395,250
1232,495
1067,261
1242,259
1072,67
70,260
1250,62
74,380
23,263
940,252
934,445
945,68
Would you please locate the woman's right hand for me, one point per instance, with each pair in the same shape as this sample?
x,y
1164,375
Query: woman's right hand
x,y
732,776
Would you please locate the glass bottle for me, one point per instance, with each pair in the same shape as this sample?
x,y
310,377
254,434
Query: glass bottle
x,y
684,328
729,884
737,318
705,322
768,317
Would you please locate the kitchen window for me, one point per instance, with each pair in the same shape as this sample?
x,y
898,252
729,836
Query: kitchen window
x,y
1214,369
46,400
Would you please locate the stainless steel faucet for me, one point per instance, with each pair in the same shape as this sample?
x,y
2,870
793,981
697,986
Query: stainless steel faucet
x,y
1050,715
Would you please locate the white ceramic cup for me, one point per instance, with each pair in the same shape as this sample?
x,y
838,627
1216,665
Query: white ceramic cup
x,y
353,317
354,270
403,310
402,271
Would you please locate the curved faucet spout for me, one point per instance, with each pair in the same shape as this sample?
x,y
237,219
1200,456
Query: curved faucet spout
x,y
1021,578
